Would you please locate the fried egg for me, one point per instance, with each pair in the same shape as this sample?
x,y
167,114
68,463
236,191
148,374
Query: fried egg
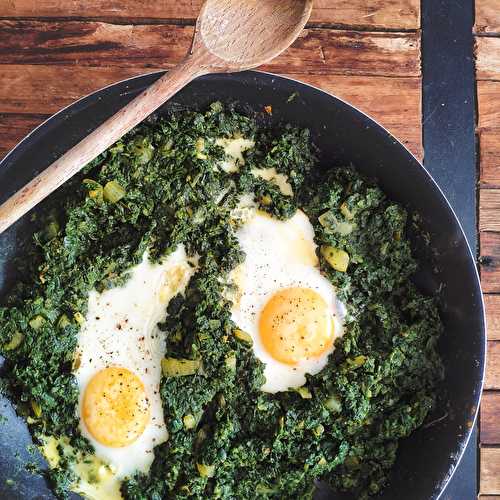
x,y
282,300
118,364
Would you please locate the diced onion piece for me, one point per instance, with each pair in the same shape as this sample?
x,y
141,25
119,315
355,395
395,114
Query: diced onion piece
x,y
231,362
330,222
243,336
172,367
79,318
113,192
344,210
37,322
189,422
337,258
333,404
357,361
14,342
318,430
323,219
304,392
206,470
200,147
63,321
37,409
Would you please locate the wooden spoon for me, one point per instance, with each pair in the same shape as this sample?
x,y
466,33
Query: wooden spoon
x,y
230,35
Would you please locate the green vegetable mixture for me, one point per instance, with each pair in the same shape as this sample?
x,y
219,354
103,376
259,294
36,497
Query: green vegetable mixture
x,y
159,187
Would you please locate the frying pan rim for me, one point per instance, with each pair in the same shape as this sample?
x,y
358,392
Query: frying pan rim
x,y
476,397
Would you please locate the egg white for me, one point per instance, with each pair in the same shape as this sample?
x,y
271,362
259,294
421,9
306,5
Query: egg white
x,y
120,329
279,254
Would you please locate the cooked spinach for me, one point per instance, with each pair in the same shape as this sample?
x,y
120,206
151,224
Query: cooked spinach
x,y
160,186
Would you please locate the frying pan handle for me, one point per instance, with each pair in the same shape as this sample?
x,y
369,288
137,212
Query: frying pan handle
x,y
99,140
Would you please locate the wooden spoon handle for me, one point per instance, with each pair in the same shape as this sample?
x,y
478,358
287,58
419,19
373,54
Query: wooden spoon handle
x,y
98,141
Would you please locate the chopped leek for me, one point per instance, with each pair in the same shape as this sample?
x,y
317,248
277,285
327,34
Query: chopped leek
x,y
206,470
243,336
14,342
37,322
172,367
113,192
337,258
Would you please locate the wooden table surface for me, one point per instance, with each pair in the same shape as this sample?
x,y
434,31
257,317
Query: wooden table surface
x,y
487,39
365,51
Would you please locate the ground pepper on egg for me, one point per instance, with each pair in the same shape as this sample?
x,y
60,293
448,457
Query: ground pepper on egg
x,y
170,182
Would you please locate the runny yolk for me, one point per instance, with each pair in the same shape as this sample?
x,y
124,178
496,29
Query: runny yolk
x,y
296,325
115,407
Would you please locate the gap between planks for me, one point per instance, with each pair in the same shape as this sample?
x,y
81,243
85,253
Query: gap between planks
x,y
319,51
141,21
383,14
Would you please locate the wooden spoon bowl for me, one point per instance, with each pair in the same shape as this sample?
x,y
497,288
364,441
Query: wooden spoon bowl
x,y
243,35
230,36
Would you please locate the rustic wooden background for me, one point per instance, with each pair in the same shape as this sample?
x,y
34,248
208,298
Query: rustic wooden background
x,y
365,51
487,32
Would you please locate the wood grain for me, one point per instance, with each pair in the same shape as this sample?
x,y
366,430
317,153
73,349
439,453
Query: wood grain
x,y
487,16
488,57
489,150
41,89
320,51
490,262
490,418
490,465
488,94
13,127
388,14
492,304
489,210
493,366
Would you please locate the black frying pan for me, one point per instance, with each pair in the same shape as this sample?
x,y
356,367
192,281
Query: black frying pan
x,y
344,135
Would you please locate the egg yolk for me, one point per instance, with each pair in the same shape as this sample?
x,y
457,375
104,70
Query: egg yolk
x,y
296,325
115,407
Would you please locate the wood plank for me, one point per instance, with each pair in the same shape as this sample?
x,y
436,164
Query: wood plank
x,y
492,304
493,366
489,147
490,418
490,465
488,94
319,51
13,127
490,262
488,57
389,14
489,497
489,210
487,16
44,89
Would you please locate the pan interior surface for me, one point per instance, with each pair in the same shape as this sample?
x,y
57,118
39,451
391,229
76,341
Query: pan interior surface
x,y
344,136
